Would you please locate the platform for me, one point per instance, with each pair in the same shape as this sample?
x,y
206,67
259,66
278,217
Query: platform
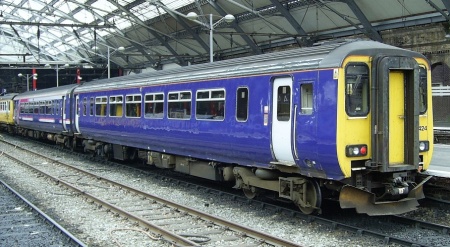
x,y
440,163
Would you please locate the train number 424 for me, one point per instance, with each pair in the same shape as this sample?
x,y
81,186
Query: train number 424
x,y
422,128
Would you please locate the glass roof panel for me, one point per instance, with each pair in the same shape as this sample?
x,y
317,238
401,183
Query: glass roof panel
x,y
125,2
66,6
58,41
175,4
146,11
23,14
104,4
84,16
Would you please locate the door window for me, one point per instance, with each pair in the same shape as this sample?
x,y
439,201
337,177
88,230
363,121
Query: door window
x,y
284,103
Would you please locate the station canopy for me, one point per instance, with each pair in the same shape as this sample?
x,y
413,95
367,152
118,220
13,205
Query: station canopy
x,y
150,33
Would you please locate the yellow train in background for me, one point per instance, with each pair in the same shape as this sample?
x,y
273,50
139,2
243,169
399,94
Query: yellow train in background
x,y
7,112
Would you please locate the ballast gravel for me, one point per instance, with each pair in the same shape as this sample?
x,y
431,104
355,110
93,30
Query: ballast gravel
x,y
101,228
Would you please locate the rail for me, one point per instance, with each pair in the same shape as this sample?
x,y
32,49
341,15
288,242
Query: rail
x,y
175,208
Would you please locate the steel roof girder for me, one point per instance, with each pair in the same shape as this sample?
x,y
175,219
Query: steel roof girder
x,y
255,48
371,32
175,15
151,30
447,6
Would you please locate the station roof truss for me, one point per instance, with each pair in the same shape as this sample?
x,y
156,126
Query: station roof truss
x,y
156,32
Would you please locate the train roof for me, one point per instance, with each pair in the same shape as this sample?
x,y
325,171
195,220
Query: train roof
x,y
326,55
8,96
48,92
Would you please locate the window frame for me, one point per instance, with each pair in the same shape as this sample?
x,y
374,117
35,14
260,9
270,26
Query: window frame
x,y
154,101
217,115
425,93
115,103
303,101
101,100
347,89
133,101
247,104
178,100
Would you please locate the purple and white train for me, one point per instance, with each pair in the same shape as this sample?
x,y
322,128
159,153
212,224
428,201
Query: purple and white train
x,y
350,121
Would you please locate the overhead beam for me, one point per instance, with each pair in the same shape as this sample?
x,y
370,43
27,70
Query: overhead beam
x,y
235,25
371,32
15,54
175,14
446,4
153,31
26,23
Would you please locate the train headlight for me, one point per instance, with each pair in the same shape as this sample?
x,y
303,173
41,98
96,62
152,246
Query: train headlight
x,y
356,150
424,146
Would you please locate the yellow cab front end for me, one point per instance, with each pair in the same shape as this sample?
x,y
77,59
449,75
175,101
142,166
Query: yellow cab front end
x,y
7,112
384,132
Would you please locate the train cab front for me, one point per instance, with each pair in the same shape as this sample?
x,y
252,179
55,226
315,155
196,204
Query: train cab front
x,y
387,135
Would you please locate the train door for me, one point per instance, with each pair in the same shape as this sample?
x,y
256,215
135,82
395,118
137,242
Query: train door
x,y
395,113
282,120
77,113
63,114
396,117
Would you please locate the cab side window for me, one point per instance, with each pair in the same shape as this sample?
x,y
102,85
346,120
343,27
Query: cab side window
x,y
423,90
357,89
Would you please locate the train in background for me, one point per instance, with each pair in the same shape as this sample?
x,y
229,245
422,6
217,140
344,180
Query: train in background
x,y
349,121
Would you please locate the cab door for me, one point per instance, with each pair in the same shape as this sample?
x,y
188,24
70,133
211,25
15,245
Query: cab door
x,y
282,130
395,113
396,117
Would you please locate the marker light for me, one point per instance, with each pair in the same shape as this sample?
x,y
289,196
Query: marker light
x,y
421,146
356,150
424,146
363,150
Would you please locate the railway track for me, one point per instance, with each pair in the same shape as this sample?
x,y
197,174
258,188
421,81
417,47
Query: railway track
x,y
438,189
173,223
387,237
24,224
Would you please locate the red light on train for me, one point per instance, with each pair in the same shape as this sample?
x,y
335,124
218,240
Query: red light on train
x,y
363,150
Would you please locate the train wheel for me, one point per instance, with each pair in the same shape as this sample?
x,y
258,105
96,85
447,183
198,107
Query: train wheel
x,y
251,192
313,198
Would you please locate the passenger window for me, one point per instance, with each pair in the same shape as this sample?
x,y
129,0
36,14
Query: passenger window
x,y
58,103
116,106
284,103
154,105
242,104
306,97
84,106
179,104
91,106
36,107
100,106
210,104
133,105
42,107
423,90
357,90
49,108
